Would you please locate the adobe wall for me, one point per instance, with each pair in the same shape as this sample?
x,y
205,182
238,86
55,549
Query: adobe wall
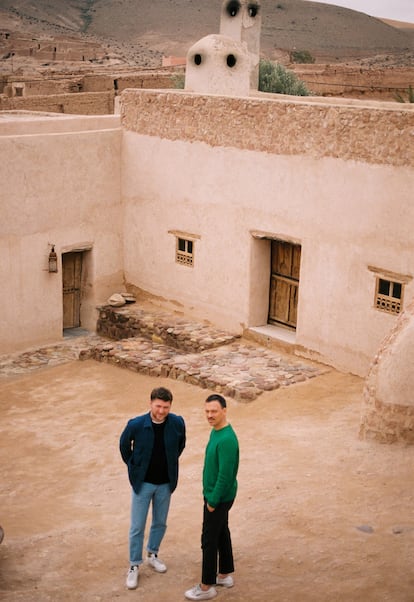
x,y
60,184
335,178
277,124
339,80
154,80
87,103
42,87
89,82
44,48
388,408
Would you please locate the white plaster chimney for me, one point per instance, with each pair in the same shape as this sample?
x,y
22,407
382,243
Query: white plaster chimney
x,y
242,21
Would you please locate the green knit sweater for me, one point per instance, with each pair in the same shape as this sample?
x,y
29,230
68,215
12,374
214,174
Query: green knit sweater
x,y
220,466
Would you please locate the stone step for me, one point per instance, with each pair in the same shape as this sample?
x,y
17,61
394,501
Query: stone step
x,y
159,326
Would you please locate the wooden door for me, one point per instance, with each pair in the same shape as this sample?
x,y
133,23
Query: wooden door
x,y
72,278
284,283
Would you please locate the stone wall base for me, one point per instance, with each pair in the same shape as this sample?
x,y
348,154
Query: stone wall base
x,y
387,423
160,327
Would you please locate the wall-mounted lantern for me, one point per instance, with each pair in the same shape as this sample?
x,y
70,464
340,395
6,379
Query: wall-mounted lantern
x,y
53,266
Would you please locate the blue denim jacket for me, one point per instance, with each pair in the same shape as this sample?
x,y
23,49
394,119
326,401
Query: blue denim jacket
x,y
137,442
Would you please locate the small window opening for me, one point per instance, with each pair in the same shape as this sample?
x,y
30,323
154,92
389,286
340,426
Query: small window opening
x,y
233,8
388,296
231,60
253,9
197,59
184,251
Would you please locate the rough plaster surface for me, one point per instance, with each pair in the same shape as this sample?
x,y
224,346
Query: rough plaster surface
x,y
388,412
87,103
225,194
282,126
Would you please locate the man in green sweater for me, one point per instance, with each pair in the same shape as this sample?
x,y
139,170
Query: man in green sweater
x,y
221,463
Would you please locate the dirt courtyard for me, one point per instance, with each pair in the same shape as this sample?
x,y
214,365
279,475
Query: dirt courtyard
x,y
320,515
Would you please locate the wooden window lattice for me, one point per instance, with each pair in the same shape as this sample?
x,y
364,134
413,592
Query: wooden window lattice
x,y
388,296
184,252
392,306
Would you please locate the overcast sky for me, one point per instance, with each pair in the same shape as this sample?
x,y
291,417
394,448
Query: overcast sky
x,y
400,10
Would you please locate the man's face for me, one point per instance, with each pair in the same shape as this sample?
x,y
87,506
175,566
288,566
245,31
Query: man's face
x,y
215,414
159,409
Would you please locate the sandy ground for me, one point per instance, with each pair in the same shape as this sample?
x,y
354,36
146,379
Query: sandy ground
x,y
320,515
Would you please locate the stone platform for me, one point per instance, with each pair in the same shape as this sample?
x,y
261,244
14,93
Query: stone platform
x,y
196,353
178,332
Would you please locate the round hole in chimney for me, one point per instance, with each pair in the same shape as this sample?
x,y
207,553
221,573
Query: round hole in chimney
x,y
253,9
197,59
233,7
231,60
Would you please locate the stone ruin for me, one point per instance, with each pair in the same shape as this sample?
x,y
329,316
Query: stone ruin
x,y
388,408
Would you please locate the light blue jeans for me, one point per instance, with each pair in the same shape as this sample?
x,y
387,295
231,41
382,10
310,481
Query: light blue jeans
x,y
160,496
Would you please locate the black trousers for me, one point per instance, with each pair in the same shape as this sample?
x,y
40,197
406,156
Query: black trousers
x,y
216,543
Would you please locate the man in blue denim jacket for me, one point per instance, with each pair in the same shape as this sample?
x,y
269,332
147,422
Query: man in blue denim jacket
x,y
150,446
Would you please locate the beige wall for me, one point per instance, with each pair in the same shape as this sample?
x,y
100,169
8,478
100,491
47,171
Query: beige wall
x,y
336,179
388,409
60,185
370,132
357,81
82,103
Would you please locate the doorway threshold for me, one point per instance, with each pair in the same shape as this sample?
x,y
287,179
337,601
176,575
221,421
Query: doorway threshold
x,y
270,335
69,333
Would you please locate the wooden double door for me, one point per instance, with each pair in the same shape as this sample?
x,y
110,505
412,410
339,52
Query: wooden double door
x,y
72,288
284,283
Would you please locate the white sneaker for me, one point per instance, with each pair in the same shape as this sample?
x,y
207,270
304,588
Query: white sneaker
x,y
196,593
156,563
132,578
225,581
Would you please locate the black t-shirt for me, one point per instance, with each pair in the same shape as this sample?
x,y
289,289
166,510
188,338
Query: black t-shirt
x,y
157,472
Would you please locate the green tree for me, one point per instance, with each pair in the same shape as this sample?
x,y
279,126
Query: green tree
x,y
178,80
301,56
410,95
277,79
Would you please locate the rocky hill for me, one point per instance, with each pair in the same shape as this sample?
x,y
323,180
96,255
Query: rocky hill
x,y
141,31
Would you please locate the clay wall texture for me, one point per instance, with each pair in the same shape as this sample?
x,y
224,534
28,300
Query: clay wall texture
x,y
380,135
388,408
60,185
88,103
44,49
334,177
359,82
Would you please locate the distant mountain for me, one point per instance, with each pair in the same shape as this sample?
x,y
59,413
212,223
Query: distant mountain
x,y
330,33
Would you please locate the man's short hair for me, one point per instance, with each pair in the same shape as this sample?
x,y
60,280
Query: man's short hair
x,y
217,397
161,393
